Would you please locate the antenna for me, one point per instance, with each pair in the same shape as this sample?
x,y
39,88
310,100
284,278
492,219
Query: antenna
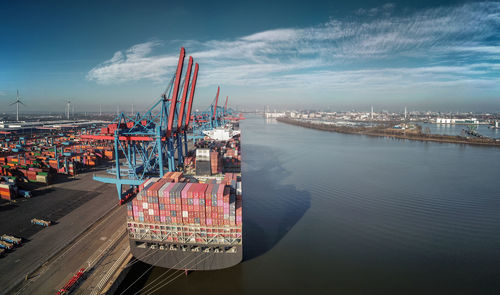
x,y
17,102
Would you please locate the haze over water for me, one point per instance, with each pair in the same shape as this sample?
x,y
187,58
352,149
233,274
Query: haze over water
x,y
348,214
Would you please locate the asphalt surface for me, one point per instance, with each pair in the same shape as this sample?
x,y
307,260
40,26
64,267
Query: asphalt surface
x,y
75,205
98,278
79,254
48,203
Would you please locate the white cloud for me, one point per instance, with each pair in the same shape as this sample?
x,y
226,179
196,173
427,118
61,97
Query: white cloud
x,y
385,10
133,65
438,47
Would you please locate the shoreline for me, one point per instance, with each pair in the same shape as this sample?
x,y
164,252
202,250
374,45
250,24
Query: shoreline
x,y
415,135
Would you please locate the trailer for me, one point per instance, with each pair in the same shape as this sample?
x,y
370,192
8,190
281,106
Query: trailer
x,y
41,222
11,239
6,245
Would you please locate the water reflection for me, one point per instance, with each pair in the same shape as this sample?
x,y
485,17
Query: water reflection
x,y
271,209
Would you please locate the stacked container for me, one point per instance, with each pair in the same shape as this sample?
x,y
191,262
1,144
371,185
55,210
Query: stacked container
x,y
8,191
197,204
203,162
214,162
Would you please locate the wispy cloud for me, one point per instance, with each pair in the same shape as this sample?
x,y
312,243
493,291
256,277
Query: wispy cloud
x,y
134,64
439,47
385,10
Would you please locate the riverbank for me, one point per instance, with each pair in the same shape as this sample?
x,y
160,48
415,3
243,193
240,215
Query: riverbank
x,y
385,130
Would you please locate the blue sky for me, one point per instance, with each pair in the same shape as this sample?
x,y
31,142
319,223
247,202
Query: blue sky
x,y
441,55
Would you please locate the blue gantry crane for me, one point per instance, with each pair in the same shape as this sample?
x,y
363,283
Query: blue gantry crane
x,y
213,117
148,141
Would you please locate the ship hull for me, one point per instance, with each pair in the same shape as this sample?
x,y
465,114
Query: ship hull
x,y
186,256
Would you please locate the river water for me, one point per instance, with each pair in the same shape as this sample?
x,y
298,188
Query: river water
x,y
329,213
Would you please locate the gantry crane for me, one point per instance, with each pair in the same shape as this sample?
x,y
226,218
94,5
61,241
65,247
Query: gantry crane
x,y
209,119
148,142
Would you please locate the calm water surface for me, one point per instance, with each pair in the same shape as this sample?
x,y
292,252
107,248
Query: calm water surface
x,y
347,214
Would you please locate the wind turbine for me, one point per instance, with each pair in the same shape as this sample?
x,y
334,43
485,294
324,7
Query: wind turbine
x,y
17,102
68,103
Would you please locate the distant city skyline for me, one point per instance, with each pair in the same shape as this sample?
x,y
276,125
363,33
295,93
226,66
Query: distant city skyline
x,y
434,55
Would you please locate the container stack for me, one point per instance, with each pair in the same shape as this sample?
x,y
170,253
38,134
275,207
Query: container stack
x,y
203,163
38,151
8,191
235,213
161,200
214,162
232,156
171,195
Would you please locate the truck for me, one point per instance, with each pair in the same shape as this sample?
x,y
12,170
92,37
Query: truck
x,y
6,245
71,283
11,239
41,222
24,194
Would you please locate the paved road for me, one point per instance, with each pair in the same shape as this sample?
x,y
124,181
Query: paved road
x,y
45,243
48,202
78,254
97,280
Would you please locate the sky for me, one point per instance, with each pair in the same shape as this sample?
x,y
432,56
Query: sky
x,y
430,55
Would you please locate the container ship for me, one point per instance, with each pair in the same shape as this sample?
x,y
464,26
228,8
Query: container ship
x,y
191,220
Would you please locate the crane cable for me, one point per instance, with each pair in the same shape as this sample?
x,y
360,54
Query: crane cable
x,y
123,292
180,274
166,252
152,282
141,257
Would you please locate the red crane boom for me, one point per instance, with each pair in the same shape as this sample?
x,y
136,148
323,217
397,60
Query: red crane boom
x,y
180,117
175,93
191,95
216,99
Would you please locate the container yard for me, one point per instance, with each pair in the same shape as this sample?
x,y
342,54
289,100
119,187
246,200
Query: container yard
x,y
28,160
31,165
